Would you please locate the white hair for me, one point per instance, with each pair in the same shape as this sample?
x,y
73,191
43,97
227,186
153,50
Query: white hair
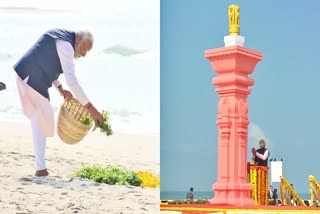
x,y
85,35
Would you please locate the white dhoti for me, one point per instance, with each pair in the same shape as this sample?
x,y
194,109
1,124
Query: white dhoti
x,y
39,143
38,109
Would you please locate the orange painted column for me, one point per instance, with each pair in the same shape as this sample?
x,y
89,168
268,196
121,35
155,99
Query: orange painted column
x,y
233,64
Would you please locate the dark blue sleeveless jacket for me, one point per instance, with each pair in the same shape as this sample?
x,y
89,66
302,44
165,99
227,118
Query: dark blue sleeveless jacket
x,y
258,160
41,63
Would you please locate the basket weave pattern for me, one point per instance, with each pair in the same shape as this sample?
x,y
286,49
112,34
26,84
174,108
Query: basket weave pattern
x,y
69,126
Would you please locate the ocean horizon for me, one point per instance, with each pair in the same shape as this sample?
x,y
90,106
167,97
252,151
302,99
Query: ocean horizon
x,y
174,195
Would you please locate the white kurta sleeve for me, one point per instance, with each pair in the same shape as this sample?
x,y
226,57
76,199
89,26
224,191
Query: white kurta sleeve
x,y
66,55
56,83
264,156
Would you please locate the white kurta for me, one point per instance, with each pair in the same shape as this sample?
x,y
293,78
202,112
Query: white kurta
x,y
66,55
35,105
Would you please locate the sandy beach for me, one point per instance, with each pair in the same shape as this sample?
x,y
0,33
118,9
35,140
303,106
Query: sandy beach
x,y
21,192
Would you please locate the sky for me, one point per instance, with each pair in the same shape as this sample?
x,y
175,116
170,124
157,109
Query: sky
x,y
284,106
144,14
108,7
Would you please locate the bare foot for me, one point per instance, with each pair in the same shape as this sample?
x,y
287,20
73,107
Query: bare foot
x,y
43,172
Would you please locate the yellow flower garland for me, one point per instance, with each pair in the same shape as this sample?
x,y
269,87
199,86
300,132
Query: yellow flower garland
x,y
267,185
313,185
287,187
256,186
258,177
262,187
259,186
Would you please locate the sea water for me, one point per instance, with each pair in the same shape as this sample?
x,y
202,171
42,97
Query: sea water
x,y
173,195
120,75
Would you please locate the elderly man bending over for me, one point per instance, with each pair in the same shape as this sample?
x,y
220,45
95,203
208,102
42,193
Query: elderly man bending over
x,y
53,54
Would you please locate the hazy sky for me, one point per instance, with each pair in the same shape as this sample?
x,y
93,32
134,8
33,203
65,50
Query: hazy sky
x,y
284,106
106,7
136,15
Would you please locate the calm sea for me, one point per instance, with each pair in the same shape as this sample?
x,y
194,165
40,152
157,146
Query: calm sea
x,y
120,75
182,195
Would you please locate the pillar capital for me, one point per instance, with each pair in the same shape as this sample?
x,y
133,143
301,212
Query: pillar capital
x,y
232,58
234,64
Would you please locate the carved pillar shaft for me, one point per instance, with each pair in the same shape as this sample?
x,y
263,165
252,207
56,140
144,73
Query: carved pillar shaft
x,y
233,65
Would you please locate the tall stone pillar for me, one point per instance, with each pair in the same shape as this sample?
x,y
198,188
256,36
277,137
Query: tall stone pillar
x,y
233,63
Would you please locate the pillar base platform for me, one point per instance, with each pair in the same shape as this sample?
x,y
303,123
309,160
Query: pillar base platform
x,y
232,194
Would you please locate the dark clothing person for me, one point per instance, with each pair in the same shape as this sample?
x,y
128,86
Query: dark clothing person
x,y
260,160
275,196
261,155
270,194
190,194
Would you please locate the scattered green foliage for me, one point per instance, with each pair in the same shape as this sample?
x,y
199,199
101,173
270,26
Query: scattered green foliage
x,y
272,202
188,201
315,204
105,127
110,175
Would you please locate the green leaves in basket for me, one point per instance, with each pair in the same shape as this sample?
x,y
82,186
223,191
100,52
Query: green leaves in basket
x,y
105,127
87,121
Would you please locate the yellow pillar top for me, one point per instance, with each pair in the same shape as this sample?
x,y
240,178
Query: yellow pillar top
x,y
234,19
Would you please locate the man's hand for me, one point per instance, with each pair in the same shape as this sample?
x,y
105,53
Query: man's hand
x,y
254,152
66,94
96,116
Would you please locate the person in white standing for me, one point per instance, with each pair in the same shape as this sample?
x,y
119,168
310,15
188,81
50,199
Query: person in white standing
x,y
38,69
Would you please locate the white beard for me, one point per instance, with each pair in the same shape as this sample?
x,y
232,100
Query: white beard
x,y
76,56
76,52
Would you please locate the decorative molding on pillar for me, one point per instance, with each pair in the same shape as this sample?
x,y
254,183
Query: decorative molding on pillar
x,y
232,50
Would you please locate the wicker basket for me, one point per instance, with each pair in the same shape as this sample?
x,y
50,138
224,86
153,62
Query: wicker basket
x,y
69,126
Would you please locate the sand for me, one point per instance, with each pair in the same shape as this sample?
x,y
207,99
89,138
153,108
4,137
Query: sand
x,y
21,192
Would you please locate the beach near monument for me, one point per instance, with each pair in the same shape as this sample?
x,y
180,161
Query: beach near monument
x,y
23,193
